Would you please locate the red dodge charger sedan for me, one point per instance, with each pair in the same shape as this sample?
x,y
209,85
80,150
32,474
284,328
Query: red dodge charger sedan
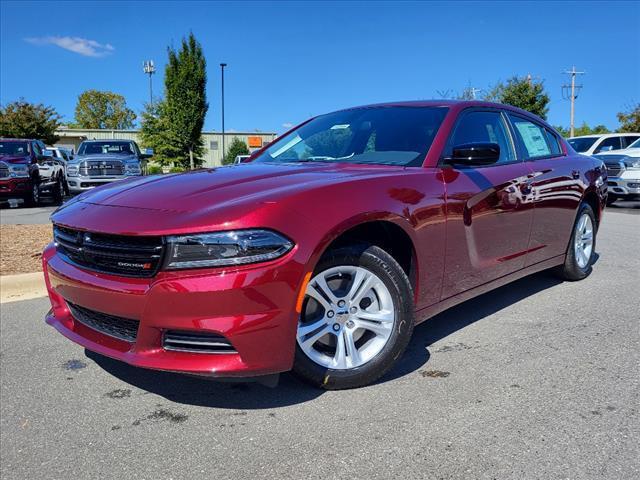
x,y
322,253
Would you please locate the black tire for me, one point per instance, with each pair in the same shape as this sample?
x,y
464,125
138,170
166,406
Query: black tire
x,y
385,267
611,199
32,199
58,192
66,186
571,270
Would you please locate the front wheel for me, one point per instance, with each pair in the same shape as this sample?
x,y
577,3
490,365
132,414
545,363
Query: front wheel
x,y
582,246
58,192
357,318
33,197
611,199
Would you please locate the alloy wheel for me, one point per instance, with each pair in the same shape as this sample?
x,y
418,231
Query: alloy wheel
x,y
583,240
348,317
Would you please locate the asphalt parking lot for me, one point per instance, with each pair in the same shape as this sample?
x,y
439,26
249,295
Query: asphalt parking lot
x,y
536,380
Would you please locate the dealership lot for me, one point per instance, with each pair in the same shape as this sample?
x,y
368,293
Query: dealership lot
x,y
536,380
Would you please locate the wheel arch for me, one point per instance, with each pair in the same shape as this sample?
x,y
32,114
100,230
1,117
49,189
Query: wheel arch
x,y
391,232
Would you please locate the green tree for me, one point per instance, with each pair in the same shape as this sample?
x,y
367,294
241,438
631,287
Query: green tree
x,y
96,109
22,119
630,120
237,147
524,93
583,129
156,133
185,104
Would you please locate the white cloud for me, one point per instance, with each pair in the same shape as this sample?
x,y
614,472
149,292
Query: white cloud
x,y
287,125
82,46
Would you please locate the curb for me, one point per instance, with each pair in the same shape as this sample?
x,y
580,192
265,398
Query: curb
x,y
25,286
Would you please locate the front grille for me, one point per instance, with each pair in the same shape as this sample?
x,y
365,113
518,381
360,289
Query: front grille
x,y
116,254
613,169
198,342
101,168
117,327
4,170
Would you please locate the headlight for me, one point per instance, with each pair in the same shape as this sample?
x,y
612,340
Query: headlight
x,y
632,163
19,171
72,170
132,169
225,248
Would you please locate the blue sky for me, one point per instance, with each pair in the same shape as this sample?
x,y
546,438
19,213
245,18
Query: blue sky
x,y
288,61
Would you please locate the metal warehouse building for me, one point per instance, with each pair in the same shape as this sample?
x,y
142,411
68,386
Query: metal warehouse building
x,y
71,138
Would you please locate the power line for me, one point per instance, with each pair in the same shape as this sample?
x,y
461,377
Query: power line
x,y
570,92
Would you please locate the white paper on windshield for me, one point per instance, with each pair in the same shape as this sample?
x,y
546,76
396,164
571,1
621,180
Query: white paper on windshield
x,y
340,126
533,139
294,141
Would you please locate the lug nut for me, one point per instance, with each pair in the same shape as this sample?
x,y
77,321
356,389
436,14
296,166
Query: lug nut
x,y
353,310
350,324
336,326
341,303
330,313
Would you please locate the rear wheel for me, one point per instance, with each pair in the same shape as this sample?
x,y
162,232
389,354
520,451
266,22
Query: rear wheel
x,y
32,199
582,246
58,192
356,320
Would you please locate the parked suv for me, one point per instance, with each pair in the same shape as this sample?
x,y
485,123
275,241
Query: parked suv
x,y
28,171
324,251
104,161
623,168
62,156
593,144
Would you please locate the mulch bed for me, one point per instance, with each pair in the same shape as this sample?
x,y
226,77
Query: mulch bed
x,y
21,248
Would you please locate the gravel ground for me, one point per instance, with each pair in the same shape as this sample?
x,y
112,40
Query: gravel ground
x,y
537,380
21,247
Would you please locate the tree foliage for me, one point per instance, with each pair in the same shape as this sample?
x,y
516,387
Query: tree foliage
x,y
630,120
185,104
237,147
583,129
22,119
156,133
524,93
96,109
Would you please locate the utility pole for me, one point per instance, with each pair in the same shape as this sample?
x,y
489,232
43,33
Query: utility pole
x,y
222,65
149,68
570,92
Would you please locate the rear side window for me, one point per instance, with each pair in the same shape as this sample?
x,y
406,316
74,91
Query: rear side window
x,y
532,137
483,127
611,143
626,141
552,140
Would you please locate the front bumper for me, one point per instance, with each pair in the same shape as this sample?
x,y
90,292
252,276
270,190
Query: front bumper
x,y
627,184
15,187
253,307
82,184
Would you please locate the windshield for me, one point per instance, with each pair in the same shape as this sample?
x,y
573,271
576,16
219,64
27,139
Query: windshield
x,y
581,145
118,148
377,135
15,149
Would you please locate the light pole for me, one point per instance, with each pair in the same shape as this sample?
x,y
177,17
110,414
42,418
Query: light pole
x,y
222,65
149,68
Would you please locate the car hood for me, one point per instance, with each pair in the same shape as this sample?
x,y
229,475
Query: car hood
x,y
618,154
104,157
14,160
225,186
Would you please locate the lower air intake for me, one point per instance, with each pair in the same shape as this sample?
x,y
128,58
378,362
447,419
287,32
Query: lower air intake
x,y
196,342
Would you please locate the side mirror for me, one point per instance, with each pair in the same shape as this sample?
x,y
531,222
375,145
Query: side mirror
x,y
148,153
475,154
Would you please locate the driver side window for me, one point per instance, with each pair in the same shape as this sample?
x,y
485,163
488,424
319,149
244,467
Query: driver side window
x,y
484,127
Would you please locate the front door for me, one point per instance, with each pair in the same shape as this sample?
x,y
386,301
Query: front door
x,y
489,208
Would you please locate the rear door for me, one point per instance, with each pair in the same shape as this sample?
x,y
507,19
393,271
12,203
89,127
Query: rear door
x,y
489,212
556,187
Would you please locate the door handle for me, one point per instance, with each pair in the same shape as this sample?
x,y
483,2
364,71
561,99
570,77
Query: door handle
x,y
575,174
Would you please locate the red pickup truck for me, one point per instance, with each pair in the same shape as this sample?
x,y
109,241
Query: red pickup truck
x,y
28,171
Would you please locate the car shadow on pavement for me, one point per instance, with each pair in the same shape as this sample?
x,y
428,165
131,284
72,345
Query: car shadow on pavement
x,y
456,318
206,392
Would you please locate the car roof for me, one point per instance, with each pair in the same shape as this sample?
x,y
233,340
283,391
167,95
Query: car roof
x,y
457,104
108,140
17,139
